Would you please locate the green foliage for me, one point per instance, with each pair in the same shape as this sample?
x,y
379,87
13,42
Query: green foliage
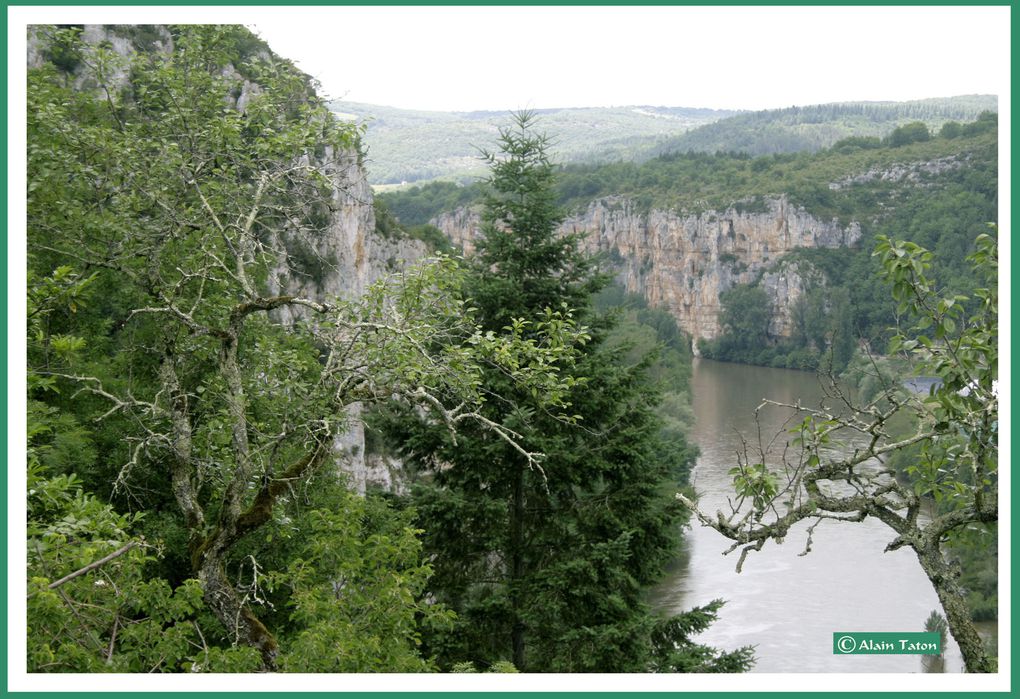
x,y
144,37
951,129
356,590
979,560
746,313
62,50
651,335
745,317
162,375
432,237
817,127
961,348
674,651
114,618
530,266
545,565
914,132
419,205
388,226
755,482
695,182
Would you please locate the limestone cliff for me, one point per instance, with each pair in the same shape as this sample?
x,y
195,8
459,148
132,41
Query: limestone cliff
x,y
683,262
352,258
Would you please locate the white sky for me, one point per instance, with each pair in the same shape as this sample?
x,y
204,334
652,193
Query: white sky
x,y
466,58
456,58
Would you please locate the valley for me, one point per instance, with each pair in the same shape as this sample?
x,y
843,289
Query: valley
x,y
309,387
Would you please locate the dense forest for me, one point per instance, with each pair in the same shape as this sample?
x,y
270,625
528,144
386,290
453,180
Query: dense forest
x,y
186,509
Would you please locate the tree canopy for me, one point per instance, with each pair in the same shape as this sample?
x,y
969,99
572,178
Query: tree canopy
x,y
159,212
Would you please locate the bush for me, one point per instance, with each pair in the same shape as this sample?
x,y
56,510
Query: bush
x,y
914,132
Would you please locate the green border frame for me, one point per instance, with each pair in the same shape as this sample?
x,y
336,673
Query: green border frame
x,y
4,319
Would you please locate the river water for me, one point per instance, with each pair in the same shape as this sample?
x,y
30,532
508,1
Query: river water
x,y
786,605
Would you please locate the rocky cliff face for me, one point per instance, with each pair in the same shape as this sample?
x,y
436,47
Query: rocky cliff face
x,y
683,262
353,258
351,255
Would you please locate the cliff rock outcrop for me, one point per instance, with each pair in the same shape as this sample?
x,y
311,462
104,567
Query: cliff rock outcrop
x,y
352,257
682,262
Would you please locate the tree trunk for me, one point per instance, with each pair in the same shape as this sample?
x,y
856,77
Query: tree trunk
x,y
233,613
943,577
517,568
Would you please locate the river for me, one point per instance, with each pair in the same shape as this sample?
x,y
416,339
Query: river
x,y
786,605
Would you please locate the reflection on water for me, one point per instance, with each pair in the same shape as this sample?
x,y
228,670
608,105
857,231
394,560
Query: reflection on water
x,y
787,605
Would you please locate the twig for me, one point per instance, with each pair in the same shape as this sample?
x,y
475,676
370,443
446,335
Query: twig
x,y
113,639
92,566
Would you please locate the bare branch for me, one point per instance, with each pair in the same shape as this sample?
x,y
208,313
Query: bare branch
x,y
92,566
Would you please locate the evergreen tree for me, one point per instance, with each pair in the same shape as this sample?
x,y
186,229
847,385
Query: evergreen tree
x,y
544,564
843,336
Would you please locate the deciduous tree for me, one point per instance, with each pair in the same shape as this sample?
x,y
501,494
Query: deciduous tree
x,y
955,434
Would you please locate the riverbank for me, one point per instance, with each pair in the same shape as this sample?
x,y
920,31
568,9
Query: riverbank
x,y
785,604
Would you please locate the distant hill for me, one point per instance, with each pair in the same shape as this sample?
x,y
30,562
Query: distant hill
x,y
419,146
813,128
844,180
415,146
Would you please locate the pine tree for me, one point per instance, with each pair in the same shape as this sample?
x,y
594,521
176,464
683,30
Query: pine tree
x,y
545,564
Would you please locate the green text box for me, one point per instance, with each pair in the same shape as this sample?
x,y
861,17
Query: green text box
x,y
886,643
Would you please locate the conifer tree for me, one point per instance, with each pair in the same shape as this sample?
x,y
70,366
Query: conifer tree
x,y
545,563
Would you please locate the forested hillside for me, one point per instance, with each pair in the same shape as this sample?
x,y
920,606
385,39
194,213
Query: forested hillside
x,y
938,189
815,127
410,146
213,306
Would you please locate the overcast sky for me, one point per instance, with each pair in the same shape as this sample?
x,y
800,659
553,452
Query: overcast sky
x,y
721,57
465,58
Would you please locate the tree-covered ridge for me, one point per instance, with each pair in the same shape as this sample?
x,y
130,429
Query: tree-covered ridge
x,y
854,179
817,127
415,146
824,183
943,208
